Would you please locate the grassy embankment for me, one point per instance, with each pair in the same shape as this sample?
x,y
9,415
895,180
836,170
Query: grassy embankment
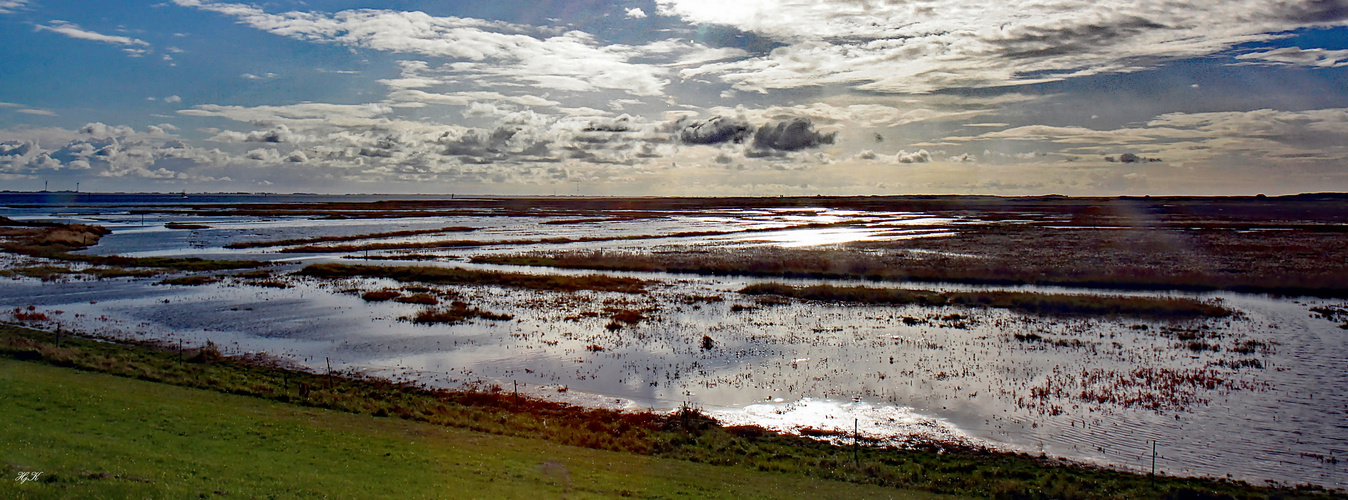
x,y
56,241
1046,304
104,435
93,435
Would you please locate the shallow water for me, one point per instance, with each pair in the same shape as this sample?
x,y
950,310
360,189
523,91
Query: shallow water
x,y
783,366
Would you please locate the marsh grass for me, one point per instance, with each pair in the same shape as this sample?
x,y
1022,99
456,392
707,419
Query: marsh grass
x,y
190,280
1024,302
457,312
460,276
330,239
686,434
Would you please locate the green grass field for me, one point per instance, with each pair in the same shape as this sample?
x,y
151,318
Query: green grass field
x,y
93,435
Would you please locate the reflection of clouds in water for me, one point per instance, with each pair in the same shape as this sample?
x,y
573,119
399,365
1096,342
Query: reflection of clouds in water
x,y
892,425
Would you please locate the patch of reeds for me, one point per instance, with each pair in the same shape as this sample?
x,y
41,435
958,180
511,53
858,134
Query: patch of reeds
x,y
332,239
457,312
190,280
180,225
1024,302
460,276
380,295
418,298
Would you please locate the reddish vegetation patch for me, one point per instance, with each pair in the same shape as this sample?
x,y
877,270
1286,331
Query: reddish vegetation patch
x,y
379,296
29,315
1151,388
420,298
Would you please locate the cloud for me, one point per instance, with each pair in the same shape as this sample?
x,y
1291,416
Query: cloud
x,y
636,13
11,6
962,158
97,149
919,47
1131,158
173,99
467,98
793,135
265,76
1294,56
39,112
74,31
570,60
714,130
920,156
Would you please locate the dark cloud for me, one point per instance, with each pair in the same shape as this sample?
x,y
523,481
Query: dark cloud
x,y
1318,11
482,144
15,148
715,130
1046,42
1131,158
793,135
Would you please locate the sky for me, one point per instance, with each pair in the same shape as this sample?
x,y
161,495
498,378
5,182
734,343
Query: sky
x,y
676,97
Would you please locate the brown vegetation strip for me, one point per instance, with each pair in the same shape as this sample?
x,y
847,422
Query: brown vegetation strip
x,y
324,239
460,276
1025,302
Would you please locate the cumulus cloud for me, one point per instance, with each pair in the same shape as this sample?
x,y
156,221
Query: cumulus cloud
x,y
793,135
173,99
714,130
74,31
909,47
920,156
962,158
636,13
101,150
